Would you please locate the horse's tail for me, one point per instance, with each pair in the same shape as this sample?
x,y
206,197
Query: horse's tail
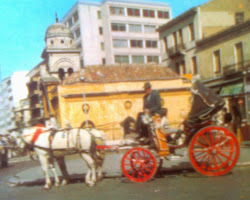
x,y
98,137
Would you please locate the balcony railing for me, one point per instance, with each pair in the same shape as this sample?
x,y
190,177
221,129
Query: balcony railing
x,y
236,68
176,50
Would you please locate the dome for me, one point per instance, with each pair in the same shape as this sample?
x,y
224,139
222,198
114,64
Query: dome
x,y
58,30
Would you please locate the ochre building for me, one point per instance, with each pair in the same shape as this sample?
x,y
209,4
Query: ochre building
x,y
111,94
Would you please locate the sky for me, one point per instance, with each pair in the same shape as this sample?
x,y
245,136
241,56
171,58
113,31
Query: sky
x,y
24,22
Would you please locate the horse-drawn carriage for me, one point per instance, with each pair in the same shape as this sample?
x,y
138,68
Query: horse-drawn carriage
x,y
213,150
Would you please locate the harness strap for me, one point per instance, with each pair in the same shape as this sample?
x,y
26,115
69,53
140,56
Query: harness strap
x,y
36,135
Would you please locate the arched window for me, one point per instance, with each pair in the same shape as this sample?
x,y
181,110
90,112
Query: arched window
x,y
61,73
70,70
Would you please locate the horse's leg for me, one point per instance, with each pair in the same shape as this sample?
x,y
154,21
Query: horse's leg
x,y
63,168
45,167
53,169
99,162
90,177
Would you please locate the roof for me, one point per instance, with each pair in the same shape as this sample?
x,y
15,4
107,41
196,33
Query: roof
x,y
58,30
179,18
49,79
122,73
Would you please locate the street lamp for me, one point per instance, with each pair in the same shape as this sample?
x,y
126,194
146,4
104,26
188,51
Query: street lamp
x,y
85,108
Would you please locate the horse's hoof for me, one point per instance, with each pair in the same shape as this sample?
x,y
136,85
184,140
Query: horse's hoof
x,y
57,184
64,182
46,188
91,184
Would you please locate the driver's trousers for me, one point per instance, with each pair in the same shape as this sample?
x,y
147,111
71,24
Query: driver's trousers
x,y
141,128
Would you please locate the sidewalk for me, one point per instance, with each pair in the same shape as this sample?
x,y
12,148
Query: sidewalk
x,y
111,167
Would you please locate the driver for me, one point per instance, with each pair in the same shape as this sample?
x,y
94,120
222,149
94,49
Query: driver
x,y
151,106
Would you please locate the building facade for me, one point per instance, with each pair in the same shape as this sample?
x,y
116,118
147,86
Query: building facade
x,y
212,41
227,53
12,90
117,31
181,34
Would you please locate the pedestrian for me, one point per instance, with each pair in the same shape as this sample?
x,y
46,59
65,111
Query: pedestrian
x,y
3,152
151,107
227,117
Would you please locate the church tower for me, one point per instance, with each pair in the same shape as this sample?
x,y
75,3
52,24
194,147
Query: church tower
x,y
61,56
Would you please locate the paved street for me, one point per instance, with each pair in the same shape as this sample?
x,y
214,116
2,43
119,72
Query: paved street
x,y
174,185
176,181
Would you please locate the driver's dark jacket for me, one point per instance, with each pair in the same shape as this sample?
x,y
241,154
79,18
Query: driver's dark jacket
x,y
152,102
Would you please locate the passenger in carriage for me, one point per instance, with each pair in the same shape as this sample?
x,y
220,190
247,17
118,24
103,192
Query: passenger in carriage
x,y
151,106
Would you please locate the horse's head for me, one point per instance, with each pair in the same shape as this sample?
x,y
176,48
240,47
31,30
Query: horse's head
x,y
20,143
26,137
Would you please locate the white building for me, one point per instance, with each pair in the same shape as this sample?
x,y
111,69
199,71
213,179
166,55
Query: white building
x,y
117,31
12,90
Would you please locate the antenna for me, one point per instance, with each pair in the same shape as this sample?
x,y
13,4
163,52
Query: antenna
x,y
56,18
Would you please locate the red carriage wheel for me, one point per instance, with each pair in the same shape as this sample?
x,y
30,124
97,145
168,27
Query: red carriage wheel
x,y
214,151
138,165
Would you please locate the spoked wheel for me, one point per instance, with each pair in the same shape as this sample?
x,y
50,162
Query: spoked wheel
x,y
214,151
139,165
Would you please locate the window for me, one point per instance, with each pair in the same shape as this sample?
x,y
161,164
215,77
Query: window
x,y
70,23
183,67
75,16
239,17
136,43
149,28
180,38
191,31
154,59
175,41
135,28
148,13
151,44
121,59
120,43
100,31
99,14
116,10
77,33
217,63
194,65
137,59
239,55
133,12
118,27
177,68
163,14
102,46
70,70
61,73
103,61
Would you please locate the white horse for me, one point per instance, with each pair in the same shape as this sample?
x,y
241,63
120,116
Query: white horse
x,y
50,144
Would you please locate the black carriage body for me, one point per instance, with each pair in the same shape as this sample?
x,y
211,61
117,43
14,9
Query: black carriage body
x,y
205,104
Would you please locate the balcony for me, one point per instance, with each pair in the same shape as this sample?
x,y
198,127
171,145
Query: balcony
x,y
34,92
176,51
35,106
236,68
